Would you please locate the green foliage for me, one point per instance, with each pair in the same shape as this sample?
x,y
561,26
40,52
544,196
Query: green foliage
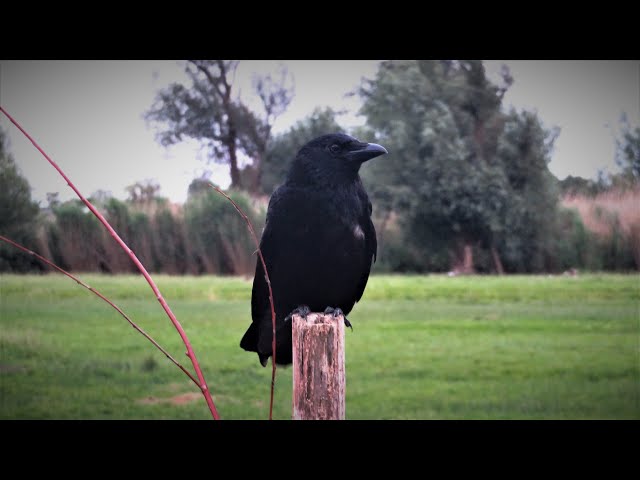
x,y
574,242
525,235
574,246
615,251
201,110
628,151
218,236
119,217
460,171
141,240
205,111
198,186
571,186
170,249
463,175
399,254
76,238
423,347
284,147
208,112
18,214
207,235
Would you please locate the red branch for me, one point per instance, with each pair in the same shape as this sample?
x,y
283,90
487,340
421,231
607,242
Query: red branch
x,y
93,290
266,276
190,353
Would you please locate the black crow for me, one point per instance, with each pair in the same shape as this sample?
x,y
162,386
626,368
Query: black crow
x,y
318,242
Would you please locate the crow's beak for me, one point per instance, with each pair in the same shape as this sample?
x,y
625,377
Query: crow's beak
x,y
372,150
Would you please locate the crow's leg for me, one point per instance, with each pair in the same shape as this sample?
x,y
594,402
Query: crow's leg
x,y
302,310
336,313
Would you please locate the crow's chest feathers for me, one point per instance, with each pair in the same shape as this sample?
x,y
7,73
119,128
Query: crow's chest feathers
x,y
338,221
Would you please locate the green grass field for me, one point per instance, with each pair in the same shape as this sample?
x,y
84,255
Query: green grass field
x,y
423,347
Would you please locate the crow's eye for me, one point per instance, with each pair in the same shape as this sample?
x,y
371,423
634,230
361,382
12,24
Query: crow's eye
x,y
335,148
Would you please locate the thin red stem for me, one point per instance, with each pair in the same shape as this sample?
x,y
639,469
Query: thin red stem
x,y
266,276
190,353
94,291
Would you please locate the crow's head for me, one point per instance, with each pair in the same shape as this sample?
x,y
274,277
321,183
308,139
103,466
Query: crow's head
x,y
332,159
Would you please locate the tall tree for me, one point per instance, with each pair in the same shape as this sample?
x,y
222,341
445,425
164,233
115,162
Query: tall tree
x,y
526,232
275,92
442,123
18,213
209,112
628,151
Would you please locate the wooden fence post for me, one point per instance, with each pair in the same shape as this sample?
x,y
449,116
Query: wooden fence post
x,y
318,367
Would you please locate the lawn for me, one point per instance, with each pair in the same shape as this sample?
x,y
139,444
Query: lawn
x,y
423,347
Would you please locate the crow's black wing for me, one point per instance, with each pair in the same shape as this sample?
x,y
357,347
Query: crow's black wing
x,y
371,249
285,225
260,304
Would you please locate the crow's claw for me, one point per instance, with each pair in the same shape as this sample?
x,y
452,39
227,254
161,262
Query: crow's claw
x,y
302,310
336,313
348,323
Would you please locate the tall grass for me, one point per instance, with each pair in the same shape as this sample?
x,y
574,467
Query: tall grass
x,y
613,217
206,236
203,236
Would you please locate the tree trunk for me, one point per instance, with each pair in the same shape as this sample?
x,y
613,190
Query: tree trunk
x,y
478,136
496,260
463,259
383,229
233,131
233,162
468,259
254,181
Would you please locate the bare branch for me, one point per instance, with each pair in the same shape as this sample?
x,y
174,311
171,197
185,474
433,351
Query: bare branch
x,y
224,71
275,93
266,276
212,80
190,353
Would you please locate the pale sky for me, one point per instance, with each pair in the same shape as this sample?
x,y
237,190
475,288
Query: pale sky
x,y
87,115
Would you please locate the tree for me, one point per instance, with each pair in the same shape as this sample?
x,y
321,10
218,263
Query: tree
x,y
144,197
217,235
76,239
275,95
18,213
284,147
446,178
628,152
144,192
198,186
525,236
440,121
572,186
169,243
208,112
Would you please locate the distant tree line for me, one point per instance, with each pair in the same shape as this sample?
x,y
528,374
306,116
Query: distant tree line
x,y
203,236
465,187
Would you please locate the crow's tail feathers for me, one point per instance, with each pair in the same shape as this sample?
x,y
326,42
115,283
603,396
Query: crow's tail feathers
x,y
263,359
250,343
250,339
